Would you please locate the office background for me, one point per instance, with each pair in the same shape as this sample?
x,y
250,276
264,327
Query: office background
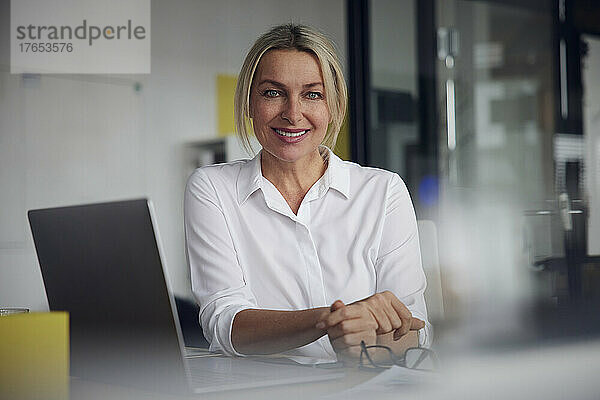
x,y
68,139
468,101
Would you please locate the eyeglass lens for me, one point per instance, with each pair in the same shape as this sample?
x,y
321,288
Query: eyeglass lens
x,y
419,359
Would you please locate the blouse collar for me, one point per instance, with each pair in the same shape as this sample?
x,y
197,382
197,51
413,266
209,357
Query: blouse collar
x,y
336,176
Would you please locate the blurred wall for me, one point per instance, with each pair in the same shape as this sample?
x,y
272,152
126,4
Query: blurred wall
x,y
68,139
393,41
591,126
393,72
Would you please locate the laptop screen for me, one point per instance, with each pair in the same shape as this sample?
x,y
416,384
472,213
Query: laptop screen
x,y
101,263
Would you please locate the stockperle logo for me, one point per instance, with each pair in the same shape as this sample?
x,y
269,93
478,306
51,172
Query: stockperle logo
x,y
80,36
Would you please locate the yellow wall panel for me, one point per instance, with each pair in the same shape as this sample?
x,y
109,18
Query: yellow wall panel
x,y
225,92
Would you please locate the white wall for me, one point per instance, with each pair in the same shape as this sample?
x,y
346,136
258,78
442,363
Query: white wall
x,y
67,139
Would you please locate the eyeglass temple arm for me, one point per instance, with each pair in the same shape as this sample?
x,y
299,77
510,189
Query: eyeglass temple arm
x,y
363,348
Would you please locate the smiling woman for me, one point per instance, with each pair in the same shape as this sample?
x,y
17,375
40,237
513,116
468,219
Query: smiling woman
x,y
288,99
290,118
297,251
292,38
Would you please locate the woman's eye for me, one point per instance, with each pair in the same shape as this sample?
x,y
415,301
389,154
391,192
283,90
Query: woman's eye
x,y
314,95
271,93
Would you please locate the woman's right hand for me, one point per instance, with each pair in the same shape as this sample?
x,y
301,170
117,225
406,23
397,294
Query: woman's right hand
x,y
347,326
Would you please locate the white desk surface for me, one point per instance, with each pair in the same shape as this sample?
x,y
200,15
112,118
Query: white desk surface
x,y
88,390
556,372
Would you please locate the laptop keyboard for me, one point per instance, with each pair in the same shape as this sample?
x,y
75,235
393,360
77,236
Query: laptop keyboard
x,y
221,373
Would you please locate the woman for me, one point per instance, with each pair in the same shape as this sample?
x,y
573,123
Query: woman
x,y
297,251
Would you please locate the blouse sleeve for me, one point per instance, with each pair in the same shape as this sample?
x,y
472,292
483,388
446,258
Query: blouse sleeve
x,y
398,264
217,279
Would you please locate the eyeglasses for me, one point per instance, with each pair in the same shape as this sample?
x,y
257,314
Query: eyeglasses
x,y
414,358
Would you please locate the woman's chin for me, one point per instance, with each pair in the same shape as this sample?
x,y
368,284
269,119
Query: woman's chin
x,y
291,154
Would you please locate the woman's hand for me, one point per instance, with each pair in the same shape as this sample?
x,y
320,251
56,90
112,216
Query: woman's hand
x,y
390,314
350,325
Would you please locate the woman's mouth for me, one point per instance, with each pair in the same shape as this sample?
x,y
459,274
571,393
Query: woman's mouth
x,y
291,135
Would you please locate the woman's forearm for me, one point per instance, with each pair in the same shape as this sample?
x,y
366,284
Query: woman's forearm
x,y
270,331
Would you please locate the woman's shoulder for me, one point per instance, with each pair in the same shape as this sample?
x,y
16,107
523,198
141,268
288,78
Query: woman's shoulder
x,y
360,174
378,184
216,177
220,171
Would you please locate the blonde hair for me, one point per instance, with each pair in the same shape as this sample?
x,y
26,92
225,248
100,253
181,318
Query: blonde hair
x,y
301,38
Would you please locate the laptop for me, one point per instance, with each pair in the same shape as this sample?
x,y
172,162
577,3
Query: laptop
x,y
103,264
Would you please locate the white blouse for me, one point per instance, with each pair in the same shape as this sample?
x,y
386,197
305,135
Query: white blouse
x,y
355,234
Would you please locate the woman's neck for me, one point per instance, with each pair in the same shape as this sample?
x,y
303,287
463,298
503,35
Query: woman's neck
x,y
293,178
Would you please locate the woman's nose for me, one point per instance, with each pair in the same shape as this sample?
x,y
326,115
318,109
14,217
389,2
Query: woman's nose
x,y
292,112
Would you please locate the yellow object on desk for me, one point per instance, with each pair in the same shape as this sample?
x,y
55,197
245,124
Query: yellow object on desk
x,y
34,354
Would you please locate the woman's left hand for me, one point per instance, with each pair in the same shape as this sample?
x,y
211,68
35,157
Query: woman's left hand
x,y
389,312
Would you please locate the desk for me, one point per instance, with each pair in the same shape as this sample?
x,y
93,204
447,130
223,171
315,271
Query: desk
x,y
552,372
88,390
